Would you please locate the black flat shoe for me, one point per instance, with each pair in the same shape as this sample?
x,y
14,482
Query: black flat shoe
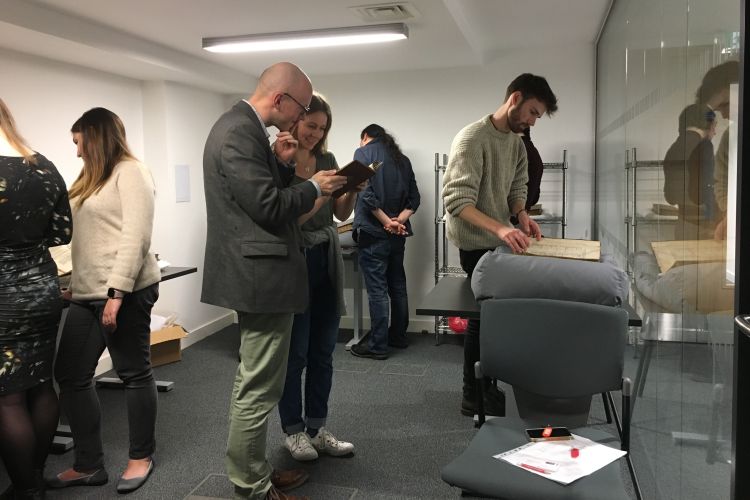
x,y
132,484
96,478
363,352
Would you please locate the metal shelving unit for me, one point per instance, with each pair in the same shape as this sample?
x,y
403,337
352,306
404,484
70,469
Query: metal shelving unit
x,y
442,268
632,219
562,220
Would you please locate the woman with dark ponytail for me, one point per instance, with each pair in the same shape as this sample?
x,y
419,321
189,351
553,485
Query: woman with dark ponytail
x,y
381,225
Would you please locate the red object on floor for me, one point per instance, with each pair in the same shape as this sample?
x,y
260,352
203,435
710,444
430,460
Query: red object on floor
x,y
458,325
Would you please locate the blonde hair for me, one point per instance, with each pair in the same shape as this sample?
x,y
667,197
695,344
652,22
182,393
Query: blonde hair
x,y
104,146
8,126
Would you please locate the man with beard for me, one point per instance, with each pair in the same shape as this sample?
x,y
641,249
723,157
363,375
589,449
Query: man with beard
x,y
484,185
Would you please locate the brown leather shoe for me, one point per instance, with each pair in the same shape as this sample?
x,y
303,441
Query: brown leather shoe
x,y
285,480
274,494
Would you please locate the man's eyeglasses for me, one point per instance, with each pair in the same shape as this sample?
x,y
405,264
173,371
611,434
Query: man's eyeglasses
x,y
305,109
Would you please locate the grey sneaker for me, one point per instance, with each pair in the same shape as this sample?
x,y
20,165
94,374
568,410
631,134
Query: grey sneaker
x,y
300,447
325,442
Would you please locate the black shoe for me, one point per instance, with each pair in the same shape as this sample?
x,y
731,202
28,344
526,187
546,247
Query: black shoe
x,y
494,403
363,352
401,343
96,478
132,484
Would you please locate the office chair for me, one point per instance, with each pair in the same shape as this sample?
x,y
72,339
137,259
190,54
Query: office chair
x,y
556,355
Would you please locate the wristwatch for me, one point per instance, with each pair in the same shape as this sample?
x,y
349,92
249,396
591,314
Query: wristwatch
x,y
113,293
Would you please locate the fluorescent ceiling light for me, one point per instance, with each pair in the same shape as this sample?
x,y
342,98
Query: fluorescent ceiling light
x,y
330,37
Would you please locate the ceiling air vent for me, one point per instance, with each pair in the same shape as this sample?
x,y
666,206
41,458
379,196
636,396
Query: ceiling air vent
x,y
386,12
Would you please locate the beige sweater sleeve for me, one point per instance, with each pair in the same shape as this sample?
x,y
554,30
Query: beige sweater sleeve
x,y
463,175
136,189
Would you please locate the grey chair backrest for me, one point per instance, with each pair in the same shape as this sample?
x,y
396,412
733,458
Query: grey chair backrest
x,y
553,348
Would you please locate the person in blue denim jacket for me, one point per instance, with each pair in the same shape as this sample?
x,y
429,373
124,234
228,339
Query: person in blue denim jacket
x,y
381,226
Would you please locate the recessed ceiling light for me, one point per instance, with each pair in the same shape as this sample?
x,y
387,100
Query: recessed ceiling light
x,y
330,37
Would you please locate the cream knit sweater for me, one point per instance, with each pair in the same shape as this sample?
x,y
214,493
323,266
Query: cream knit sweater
x,y
112,235
487,169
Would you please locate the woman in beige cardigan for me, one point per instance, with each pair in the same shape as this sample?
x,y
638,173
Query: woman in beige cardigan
x,y
113,288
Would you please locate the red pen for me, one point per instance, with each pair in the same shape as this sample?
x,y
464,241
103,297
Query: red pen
x,y
535,468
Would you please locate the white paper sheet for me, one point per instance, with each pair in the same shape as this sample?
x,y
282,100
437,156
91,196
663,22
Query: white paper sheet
x,y
553,459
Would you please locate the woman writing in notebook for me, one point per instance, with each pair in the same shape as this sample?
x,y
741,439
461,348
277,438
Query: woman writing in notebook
x,y
315,331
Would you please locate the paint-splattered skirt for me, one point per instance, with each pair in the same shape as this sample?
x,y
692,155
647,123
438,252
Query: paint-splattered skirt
x,y
30,308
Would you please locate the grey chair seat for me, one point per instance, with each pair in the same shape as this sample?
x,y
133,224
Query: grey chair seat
x,y
476,471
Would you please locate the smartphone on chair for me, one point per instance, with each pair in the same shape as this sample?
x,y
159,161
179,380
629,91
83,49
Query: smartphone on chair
x,y
548,434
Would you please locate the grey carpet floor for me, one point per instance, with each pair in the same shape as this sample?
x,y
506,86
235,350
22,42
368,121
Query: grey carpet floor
x,y
403,416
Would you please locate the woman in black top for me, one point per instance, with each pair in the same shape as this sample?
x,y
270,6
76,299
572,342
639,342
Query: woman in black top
x,y
34,215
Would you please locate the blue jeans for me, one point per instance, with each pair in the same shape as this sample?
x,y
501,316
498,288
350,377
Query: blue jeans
x,y
314,335
382,264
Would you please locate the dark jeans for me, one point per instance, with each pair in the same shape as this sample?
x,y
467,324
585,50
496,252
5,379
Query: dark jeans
x,y
382,264
314,335
81,344
469,259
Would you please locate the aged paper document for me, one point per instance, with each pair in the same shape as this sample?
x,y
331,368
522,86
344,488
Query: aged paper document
x,y
565,249
676,253
63,259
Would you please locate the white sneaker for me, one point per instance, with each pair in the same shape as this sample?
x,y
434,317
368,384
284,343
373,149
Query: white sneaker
x,y
300,447
325,442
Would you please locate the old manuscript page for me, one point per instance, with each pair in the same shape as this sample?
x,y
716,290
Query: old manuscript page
x,y
565,249
676,253
62,257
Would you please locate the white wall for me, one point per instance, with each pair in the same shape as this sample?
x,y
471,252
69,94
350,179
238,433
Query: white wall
x,y
176,124
166,124
46,97
425,109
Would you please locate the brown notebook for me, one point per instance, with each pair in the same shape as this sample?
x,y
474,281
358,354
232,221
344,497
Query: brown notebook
x,y
355,173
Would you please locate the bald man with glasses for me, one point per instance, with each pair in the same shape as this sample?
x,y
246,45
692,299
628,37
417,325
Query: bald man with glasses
x,y
254,260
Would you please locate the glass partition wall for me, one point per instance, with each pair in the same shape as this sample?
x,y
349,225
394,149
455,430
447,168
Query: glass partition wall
x,y
666,88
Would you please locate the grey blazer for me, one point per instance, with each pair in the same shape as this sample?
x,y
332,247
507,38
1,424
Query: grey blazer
x,y
254,261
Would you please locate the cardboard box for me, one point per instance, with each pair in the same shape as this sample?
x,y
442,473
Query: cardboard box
x,y
165,345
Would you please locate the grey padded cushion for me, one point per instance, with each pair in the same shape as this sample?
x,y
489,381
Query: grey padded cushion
x,y
476,471
503,275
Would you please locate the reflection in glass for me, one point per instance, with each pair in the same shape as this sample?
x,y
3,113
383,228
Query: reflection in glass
x,y
666,184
